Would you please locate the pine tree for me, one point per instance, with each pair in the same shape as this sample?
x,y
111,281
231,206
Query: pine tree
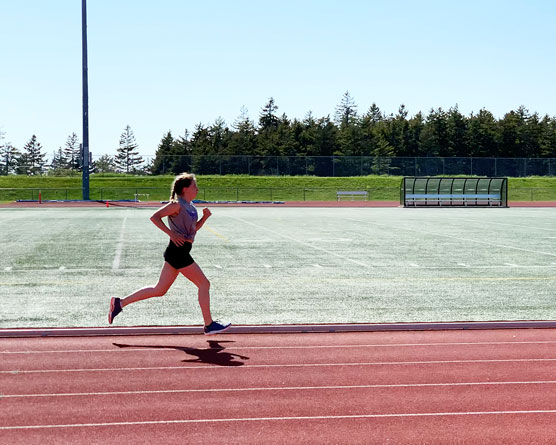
x,y
105,164
127,159
59,160
346,112
32,160
267,117
72,153
8,159
162,158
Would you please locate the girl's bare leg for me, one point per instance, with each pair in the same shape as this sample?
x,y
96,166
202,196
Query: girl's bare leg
x,y
194,274
167,277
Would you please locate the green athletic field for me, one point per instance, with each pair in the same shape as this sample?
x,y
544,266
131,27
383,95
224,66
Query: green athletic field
x,y
59,267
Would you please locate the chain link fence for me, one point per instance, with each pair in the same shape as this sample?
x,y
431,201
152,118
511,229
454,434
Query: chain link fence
x,y
334,166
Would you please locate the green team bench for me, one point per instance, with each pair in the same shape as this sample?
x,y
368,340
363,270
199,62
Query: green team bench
x,y
491,199
440,191
351,195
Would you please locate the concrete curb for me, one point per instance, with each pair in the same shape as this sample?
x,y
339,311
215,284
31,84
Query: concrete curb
x,y
271,329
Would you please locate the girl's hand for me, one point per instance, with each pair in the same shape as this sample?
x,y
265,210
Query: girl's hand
x,y
178,239
206,213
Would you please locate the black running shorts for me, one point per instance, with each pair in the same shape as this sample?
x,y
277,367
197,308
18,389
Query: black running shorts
x,y
178,256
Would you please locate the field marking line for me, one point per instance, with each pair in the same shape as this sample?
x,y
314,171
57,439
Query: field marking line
x,y
299,365
119,247
327,251
454,237
150,349
275,419
281,388
215,233
499,224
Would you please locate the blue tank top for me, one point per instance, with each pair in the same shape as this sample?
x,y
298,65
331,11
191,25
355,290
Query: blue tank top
x,y
185,222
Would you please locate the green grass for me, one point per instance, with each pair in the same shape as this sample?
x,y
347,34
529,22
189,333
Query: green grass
x,y
240,187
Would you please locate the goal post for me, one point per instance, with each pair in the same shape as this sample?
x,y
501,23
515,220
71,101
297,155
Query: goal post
x,y
436,191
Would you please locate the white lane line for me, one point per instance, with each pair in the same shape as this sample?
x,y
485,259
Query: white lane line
x,y
281,388
327,251
501,224
116,262
455,237
299,365
275,419
149,349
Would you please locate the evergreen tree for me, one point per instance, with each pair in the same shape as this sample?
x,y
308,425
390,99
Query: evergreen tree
x,y
457,133
72,153
482,135
105,164
346,112
242,141
59,160
8,159
32,161
267,118
162,161
127,159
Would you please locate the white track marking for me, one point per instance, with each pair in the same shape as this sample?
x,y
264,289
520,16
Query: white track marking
x,y
501,224
250,348
300,365
455,237
116,262
280,388
327,251
276,419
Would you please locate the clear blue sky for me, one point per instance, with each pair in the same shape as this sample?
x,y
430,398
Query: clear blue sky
x,y
171,64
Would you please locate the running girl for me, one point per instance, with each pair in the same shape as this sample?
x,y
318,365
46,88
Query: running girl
x,y
182,219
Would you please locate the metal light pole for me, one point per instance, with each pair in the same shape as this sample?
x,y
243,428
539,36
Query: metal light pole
x,y
85,153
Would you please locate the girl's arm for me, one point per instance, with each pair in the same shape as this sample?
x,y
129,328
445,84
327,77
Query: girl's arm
x,y
206,214
172,208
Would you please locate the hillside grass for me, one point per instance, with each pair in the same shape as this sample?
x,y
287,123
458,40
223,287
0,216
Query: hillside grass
x,y
239,187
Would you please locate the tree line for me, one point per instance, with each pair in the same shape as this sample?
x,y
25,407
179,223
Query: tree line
x,y
67,160
440,133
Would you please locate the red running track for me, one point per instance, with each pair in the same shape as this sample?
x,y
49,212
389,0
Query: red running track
x,y
496,386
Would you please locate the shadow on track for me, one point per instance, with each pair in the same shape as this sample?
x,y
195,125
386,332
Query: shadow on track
x,y
213,355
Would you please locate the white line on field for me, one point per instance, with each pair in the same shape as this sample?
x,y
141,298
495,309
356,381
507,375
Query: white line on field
x,y
327,251
116,262
453,237
501,224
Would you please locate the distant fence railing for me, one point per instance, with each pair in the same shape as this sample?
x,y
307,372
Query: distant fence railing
x,y
357,166
234,194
